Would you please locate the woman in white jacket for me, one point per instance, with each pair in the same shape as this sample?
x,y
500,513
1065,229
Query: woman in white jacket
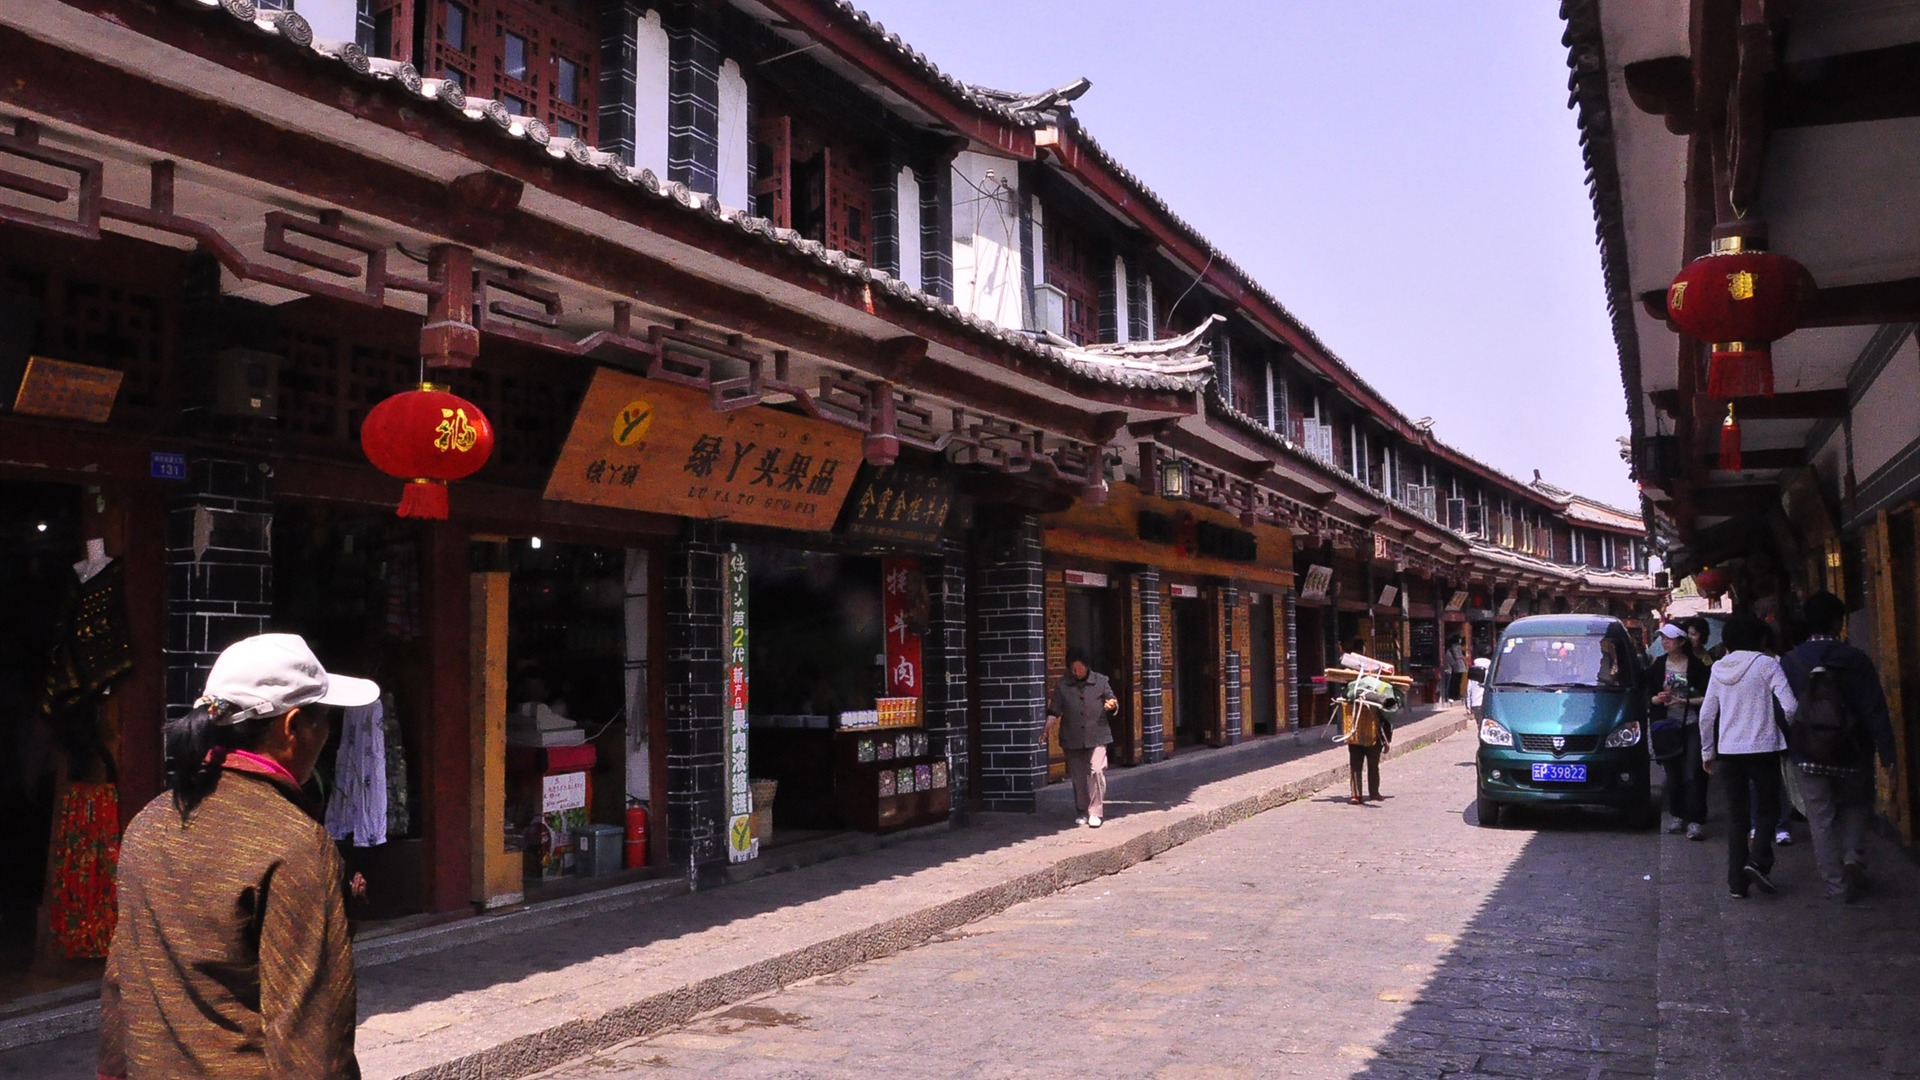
x,y
1741,741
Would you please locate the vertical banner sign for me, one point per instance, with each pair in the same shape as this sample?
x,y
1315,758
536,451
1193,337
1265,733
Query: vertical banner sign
x,y
741,845
899,585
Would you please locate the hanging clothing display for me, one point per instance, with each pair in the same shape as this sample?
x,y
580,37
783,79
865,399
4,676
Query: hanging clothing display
x,y
91,647
86,853
357,809
399,813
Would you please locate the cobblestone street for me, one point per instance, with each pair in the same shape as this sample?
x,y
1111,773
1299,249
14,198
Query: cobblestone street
x,y
1395,940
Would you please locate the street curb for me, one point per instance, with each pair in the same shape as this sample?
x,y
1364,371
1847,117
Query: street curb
x,y
529,1054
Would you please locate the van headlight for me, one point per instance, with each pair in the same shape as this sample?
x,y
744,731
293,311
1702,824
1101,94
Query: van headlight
x,y
1494,733
1627,734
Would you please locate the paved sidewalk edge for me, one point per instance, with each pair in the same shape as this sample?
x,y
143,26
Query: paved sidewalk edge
x,y
529,1054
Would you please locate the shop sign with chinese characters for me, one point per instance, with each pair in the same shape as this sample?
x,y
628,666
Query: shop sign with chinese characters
x,y
741,845
898,504
640,444
902,608
1317,581
67,391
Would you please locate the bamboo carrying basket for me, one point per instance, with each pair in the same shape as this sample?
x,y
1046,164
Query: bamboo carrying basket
x,y
1359,723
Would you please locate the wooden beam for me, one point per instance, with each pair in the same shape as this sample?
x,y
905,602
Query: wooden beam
x,y
1734,501
1850,88
1800,405
1780,458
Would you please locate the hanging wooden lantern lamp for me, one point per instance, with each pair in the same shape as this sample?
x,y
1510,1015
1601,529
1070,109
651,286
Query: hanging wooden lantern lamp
x,y
427,437
1730,441
1739,298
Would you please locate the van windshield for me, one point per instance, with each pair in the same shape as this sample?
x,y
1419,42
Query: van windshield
x,y
1561,663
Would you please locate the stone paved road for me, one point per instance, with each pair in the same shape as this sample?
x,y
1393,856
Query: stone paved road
x,y
1399,940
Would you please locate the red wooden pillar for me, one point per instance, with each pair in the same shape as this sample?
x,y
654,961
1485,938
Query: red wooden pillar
x,y
446,767
143,696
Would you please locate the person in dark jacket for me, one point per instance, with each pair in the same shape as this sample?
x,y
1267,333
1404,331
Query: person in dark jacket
x,y
1678,686
1839,797
231,956
1079,709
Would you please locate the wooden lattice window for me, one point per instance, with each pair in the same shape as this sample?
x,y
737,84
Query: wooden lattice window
x,y
812,178
1073,263
126,325
538,57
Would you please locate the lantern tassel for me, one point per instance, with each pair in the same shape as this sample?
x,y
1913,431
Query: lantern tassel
x,y
1740,370
424,499
1730,442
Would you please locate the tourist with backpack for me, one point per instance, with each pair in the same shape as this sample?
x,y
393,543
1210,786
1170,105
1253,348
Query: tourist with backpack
x,y
1832,740
1741,741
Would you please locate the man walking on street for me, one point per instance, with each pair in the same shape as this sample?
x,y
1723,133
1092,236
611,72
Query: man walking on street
x,y
1081,703
1839,792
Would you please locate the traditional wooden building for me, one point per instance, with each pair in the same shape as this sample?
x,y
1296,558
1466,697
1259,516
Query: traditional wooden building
x,y
1783,464
832,398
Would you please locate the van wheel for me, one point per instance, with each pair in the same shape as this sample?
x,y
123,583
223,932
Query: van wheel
x,y
1487,811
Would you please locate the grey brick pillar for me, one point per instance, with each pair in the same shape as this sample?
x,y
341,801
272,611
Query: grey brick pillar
x,y
936,229
219,569
946,671
693,98
1153,746
1010,647
1293,659
884,249
1235,678
696,729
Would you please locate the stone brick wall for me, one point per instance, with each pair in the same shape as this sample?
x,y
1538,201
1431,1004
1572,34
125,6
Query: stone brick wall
x,y
1152,667
1233,647
693,98
696,731
1010,651
945,663
219,569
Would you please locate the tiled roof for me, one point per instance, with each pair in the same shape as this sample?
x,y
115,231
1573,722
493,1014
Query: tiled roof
x,y
292,29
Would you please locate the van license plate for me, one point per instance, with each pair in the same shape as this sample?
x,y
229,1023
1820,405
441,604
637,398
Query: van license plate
x,y
1559,774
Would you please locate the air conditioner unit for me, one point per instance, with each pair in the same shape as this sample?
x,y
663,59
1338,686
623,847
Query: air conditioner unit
x,y
1050,309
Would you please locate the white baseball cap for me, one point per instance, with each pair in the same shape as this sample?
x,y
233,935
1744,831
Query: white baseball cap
x,y
1672,631
269,674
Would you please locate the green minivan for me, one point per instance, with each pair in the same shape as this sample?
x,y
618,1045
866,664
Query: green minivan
x,y
1562,721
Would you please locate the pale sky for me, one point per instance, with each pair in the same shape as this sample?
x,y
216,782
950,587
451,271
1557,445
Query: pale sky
x,y
1404,175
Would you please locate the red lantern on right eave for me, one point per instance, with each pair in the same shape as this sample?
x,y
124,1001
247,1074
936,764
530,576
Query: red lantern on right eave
x,y
1739,299
1712,582
426,437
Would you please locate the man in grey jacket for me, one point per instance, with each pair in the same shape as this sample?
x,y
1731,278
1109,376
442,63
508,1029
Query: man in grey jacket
x,y
1839,795
1079,708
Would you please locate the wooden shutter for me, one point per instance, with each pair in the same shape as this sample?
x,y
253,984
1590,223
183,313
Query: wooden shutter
x,y
773,186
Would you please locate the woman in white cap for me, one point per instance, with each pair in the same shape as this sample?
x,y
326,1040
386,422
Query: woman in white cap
x,y
231,955
1678,687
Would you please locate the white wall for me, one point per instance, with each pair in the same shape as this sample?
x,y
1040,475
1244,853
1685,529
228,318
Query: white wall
x,y
907,213
986,239
736,141
650,96
1885,423
332,20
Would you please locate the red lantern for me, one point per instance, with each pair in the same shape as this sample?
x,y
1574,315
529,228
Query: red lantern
x,y
426,437
1712,582
1739,299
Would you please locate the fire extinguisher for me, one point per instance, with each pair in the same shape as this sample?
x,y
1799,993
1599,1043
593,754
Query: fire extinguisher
x,y
636,837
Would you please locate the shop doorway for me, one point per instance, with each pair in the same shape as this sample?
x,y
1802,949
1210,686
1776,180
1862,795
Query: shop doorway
x,y
1309,629
39,541
1263,661
1194,673
1094,624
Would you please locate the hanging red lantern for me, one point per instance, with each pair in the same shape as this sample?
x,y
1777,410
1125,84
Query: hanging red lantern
x,y
1730,442
1740,299
426,437
1712,582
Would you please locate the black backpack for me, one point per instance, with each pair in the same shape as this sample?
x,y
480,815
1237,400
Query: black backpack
x,y
1824,731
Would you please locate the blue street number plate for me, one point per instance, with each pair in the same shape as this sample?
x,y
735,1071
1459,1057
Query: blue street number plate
x,y
1559,774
